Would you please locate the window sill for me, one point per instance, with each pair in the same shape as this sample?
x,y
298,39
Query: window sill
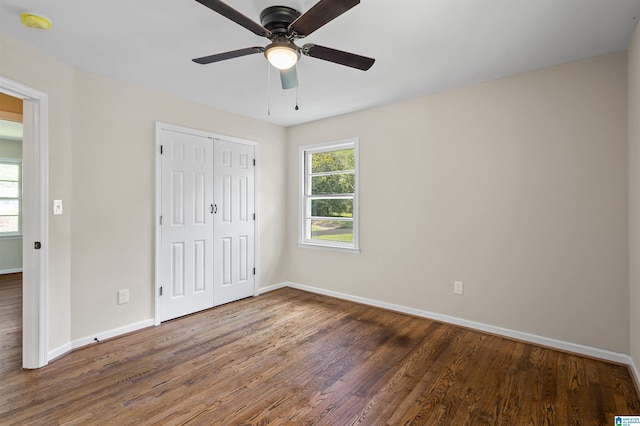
x,y
328,247
11,237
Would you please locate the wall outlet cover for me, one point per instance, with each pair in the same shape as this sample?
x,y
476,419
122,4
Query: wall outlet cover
x,y
123,296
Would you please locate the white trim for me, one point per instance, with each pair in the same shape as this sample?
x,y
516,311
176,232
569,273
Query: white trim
x,y
256,207
513,334
35,195
11,159
156,220
59,351
304,239
263,290
160,126
314,246
635,372
10,271
78,343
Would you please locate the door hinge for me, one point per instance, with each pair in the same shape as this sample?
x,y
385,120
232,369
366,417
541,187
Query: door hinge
x,y
160,290
254,271
37,245
160,220
254,161
254,216
161,149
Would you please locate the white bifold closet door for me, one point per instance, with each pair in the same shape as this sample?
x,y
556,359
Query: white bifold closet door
x,y
234,221
208,223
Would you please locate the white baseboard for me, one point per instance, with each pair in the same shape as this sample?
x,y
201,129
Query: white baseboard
x,y
514,334
99,336
636,372
267,289
59,351
10,271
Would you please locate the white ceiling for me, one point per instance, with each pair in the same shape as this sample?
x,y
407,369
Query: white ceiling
x,y
420,46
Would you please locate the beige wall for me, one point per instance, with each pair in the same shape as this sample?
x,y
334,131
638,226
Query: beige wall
x,y
113,196
634,194
516,187
26,65
101,164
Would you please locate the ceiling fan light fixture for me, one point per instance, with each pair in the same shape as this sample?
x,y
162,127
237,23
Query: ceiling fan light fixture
x,y
282,55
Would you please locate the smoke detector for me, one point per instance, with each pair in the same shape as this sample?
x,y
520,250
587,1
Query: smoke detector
x,y
33,20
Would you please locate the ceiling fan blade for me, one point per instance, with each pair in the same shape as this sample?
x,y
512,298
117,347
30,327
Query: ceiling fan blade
x,y
237,17
289,78
321,13
338,56
228,55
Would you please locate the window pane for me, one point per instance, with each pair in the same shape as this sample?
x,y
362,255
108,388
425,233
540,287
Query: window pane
x,y
333,161
332,208
9,172
333,184
9,189
9,224
332,230
9,208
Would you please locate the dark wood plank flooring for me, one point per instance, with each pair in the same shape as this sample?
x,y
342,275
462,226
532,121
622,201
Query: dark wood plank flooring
x,y
294,358
10,323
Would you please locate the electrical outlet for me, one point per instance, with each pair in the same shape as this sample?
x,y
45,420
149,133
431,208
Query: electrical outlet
x,y
123,296
458,287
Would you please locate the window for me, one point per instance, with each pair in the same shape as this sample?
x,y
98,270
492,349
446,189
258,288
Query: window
x,y
10,197
329,195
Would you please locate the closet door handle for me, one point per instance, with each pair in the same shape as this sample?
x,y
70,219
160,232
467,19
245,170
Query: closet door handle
x,y
214,208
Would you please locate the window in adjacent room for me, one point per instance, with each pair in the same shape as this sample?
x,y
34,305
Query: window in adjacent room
x,y
10,197
329,195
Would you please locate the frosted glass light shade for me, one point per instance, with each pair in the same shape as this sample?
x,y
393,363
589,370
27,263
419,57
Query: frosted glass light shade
x,y
282,57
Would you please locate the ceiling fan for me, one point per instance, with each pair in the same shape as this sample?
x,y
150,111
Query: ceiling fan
x,y
284,25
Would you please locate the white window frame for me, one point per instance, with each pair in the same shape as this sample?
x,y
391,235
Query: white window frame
x,y
18,233
304,233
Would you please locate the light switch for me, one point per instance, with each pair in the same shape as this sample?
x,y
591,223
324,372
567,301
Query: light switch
x,y
57,207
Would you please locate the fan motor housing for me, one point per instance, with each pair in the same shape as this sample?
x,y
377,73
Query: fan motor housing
x,y
278,18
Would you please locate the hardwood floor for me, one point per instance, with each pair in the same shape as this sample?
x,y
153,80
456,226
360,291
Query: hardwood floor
x,y
10,323
291,357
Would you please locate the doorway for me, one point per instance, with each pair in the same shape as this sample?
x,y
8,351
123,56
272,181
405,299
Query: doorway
x,y
34,221
10,232
206,220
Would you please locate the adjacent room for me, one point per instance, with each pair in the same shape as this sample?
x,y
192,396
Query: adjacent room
x,y
320,212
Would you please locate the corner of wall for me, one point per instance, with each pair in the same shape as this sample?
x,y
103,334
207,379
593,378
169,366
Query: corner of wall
x,y
633,64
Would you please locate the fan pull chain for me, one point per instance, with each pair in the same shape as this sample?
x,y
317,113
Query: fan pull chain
x,y
297,86
268,89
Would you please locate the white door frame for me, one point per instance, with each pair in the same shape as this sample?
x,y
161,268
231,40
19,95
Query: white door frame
x,y
35,183
158,209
